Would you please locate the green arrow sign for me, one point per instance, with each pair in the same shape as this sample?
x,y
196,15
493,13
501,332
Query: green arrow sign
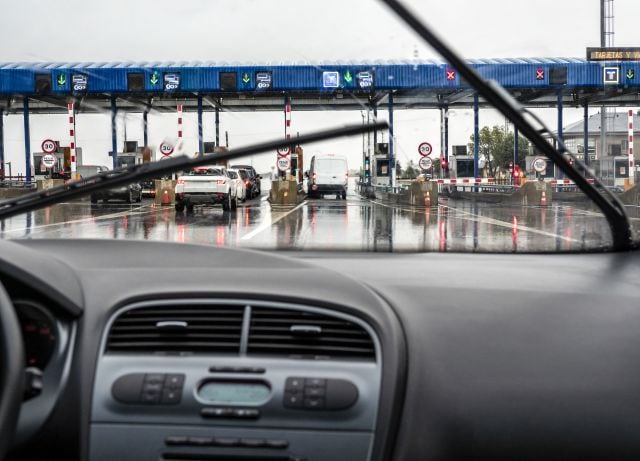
x,y
630,74
348,77
245,78
61,79
154,78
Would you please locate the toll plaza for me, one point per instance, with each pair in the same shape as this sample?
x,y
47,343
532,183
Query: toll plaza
x,y
179,87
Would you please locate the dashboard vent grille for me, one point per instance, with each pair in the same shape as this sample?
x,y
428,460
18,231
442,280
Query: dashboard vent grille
x,y
298,334
177,329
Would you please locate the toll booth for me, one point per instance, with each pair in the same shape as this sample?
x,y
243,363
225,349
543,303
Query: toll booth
x,y
297,164
461,166
62,168
381,171
613,171
132,155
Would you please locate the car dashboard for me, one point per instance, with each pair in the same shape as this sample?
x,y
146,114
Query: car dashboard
x,y
156,351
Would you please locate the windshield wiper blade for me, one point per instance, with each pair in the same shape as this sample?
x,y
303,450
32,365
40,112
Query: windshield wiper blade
x,y
493,93
123,176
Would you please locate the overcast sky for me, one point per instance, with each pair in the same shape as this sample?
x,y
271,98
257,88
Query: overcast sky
x,y
265,31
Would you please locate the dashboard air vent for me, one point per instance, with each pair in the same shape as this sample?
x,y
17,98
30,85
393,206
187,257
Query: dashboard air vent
x,y
299,334
177,329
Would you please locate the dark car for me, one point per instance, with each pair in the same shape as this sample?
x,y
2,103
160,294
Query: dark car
x,y
252,180
131,193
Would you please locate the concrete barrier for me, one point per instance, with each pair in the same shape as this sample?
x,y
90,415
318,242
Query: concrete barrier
x,y
631,196
165,192
44,184
538,193
13,192
419,194
285,193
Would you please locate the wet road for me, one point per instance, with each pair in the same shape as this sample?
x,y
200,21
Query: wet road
x,y
354,224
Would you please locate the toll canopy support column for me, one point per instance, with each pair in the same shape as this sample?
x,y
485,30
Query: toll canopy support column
x,y
560,135
1,143
476,134
217,126
585,140
145,126
445,140
516,146
632,174
392,158
200,138
114,132
27,139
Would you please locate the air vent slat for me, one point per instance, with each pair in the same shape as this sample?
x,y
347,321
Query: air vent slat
x,y
298,334
203,329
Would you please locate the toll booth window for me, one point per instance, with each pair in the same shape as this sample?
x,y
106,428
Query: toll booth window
x,y
465,168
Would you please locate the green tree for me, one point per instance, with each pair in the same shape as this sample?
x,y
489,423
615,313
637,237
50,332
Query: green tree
x,y
496,145
411,172
399,169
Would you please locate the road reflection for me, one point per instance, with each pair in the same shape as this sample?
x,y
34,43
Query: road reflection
x,y
354,224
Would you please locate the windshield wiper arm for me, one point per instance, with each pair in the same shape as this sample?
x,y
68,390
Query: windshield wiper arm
x,y
493,93
123,176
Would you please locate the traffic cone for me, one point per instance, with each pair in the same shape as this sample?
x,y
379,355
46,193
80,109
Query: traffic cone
x,y
165,197
543,199
427,200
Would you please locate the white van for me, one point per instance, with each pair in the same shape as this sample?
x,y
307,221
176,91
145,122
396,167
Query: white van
x,y
328,174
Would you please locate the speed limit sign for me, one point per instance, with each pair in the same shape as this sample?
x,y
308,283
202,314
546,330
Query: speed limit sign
x,y
283,163
425,149
283,151
49,146
166,148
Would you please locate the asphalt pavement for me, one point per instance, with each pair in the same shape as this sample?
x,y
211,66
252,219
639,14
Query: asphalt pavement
x,y
330,223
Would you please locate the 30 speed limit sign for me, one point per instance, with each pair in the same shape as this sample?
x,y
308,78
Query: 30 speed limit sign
x,y
425,149
283,151
166,148
49,146
425,163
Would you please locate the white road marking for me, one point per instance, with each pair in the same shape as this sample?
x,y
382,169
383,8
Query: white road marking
x,y
270,223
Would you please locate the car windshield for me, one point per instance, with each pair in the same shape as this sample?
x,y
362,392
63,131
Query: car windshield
x,y
450,173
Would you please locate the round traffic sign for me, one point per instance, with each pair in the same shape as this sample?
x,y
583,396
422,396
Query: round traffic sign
x,y
48,161
425,163
283,163
283,151
539,164
166,148
49,146
425,149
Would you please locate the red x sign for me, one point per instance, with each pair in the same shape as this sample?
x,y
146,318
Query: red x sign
x,y
451,74
539,74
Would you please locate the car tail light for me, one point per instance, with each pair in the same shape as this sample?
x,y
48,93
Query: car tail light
x,y
246,183
221,181
313,178
181,181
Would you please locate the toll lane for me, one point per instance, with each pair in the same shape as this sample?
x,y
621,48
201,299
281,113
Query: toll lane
x,y
330,223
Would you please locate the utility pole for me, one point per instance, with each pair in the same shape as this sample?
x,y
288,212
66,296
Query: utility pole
x,y
606,40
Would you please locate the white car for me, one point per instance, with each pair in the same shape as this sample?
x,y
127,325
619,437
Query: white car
x,y
208,185
241,188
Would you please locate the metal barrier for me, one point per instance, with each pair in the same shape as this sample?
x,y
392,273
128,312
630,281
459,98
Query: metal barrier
x,y
17,182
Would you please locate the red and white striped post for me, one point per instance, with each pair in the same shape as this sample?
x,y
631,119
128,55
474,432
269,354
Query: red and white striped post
x,y
287,130
632,176
72,142
179,143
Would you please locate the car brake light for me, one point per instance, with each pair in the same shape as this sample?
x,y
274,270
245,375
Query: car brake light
x,y
221,181
246,183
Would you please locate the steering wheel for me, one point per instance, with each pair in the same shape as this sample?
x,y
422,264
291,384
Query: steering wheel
x,y
11,371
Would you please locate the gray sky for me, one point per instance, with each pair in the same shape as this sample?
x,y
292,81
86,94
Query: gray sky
x,y
285,30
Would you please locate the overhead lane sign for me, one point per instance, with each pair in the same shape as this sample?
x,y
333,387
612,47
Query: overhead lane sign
x,y
613,54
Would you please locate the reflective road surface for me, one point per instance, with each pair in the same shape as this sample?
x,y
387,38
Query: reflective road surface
x,y
354,224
